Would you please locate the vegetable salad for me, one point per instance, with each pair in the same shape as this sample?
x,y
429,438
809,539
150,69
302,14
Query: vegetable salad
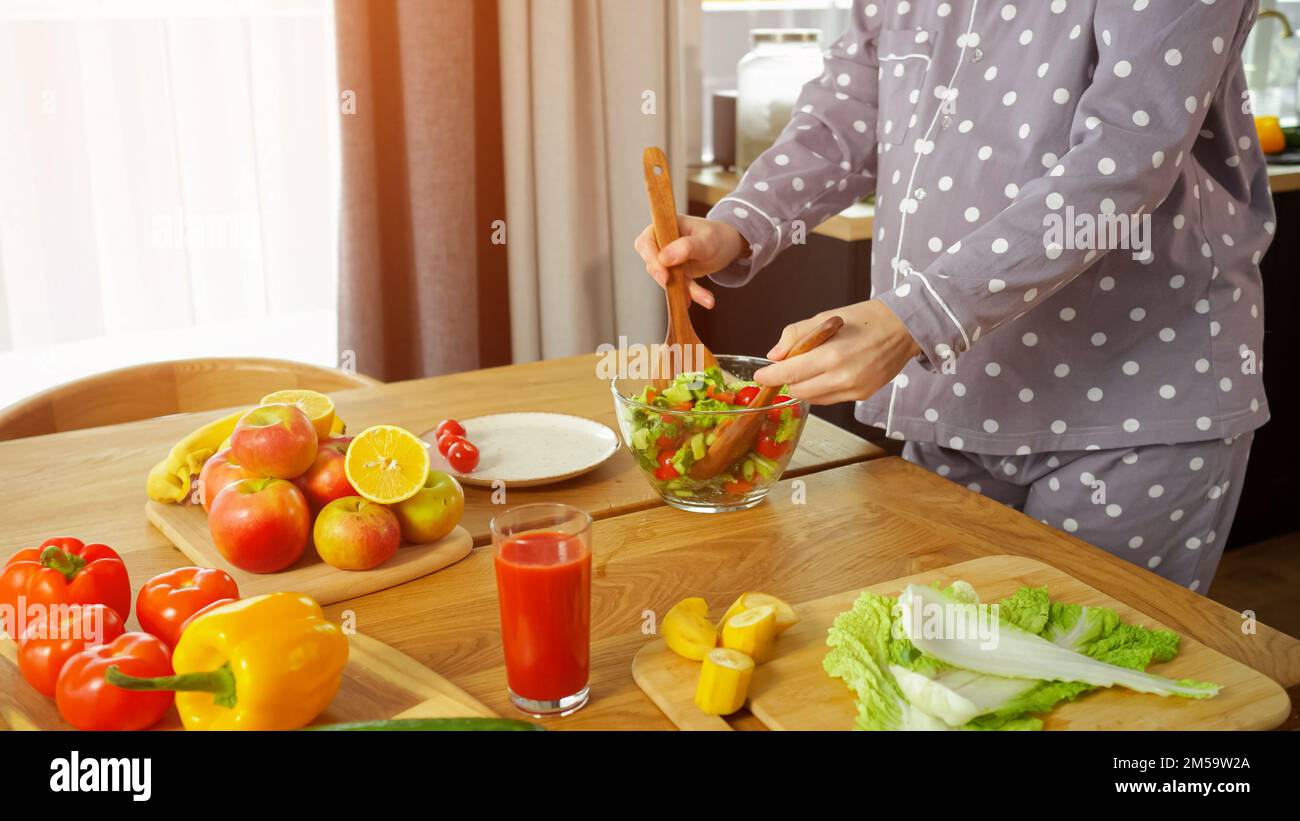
x,y
667,444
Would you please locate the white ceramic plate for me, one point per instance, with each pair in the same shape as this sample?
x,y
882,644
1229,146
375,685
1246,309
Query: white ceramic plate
x,y
526,449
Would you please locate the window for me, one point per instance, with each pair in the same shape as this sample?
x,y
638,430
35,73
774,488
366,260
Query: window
x,y
170,184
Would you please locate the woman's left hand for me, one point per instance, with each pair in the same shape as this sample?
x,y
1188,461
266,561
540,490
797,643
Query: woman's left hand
x,y
871,348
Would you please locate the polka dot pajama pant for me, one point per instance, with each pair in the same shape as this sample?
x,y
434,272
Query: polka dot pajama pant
x,y
1167,508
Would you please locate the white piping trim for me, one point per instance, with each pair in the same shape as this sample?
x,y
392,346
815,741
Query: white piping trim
x,y
761,213
888,57
902,228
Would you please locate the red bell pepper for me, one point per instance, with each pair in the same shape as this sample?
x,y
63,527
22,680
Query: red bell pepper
x,y
88,702
167,600
62,571
47,645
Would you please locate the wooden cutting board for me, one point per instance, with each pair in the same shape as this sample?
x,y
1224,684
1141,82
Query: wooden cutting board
x,y
186,526
378,683
792,692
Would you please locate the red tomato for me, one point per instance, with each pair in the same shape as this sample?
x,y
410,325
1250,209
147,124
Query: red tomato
x,y
746,395
666,473
166,601
63,571
665,456
721,396
446,440
666,442
769,447
448,425
738,486
462,456
775,413
87,702
45,648
650,394
684,406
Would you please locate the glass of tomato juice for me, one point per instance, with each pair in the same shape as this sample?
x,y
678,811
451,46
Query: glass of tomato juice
x,y
543,567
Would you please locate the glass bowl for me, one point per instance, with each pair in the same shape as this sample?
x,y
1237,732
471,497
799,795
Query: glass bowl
x,y
651,431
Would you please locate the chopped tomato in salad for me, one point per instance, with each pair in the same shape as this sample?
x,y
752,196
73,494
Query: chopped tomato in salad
x,y
667,445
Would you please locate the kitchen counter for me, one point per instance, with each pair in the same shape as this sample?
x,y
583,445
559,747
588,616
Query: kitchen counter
x,y
706,186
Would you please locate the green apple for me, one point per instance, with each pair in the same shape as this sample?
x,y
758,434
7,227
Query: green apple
x,y
433,511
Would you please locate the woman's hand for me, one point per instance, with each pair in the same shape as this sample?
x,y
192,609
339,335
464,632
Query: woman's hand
x,y
871,348
704,247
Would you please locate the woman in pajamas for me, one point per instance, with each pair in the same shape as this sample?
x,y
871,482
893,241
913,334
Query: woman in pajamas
x,y
1071,207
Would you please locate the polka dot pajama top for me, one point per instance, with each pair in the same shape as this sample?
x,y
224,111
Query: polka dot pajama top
x,y
1071,207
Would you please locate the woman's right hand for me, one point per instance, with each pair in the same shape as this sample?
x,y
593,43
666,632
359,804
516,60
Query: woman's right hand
x,y
704,247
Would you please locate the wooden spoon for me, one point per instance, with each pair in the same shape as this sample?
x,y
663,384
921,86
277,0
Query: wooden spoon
x,y
683,351
739,434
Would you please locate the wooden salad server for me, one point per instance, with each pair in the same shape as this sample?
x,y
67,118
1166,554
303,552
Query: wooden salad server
x,y
739,433
682,347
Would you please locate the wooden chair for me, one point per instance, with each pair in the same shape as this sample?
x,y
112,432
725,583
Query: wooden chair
x,y
161,388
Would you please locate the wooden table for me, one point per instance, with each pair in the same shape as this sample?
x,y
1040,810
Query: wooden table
x,y
863,523
90,483
844,521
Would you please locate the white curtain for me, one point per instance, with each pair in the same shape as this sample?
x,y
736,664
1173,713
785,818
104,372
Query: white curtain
x,y
586,86
169,179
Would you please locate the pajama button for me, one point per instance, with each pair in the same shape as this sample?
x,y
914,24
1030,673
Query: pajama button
x,y
977,56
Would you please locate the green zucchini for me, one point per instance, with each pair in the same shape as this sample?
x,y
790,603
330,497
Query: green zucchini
x,y
431,724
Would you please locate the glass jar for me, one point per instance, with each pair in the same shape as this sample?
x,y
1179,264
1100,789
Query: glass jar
x,y
768,81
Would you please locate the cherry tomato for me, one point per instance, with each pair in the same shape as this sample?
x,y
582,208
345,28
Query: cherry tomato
x,y
667,442
738,486
746,395
684,406
448,425
775,413
665,456
462,456
447,440
721,396
666,473
769,447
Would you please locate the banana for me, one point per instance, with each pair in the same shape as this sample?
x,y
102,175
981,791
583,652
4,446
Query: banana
x,y
169,481
724,681
785,615
688,631
751,632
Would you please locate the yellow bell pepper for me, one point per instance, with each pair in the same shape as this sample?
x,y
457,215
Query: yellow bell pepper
x,y
271,662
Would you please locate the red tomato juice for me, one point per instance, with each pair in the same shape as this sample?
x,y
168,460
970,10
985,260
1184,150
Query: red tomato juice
x,y
544,588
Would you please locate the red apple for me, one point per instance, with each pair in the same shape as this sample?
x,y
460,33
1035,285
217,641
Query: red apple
x,y
220,470
260,525
274,440
354,534
326,480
